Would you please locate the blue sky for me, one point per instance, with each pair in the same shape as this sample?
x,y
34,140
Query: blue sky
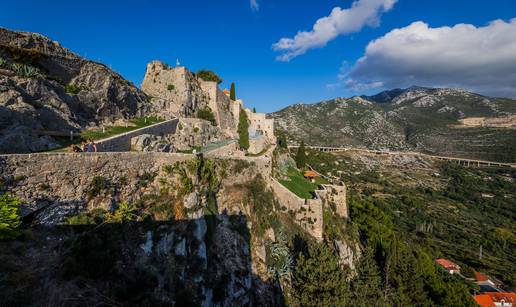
x,y
236,40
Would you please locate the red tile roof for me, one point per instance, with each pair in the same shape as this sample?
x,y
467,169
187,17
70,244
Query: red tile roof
x,y
484,300
480,277
488,299
311,174
447,264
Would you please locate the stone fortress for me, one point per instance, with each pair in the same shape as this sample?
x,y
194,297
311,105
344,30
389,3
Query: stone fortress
x,y
177,92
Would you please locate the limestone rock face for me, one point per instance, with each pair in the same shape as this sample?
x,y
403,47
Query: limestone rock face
x,y
44,86
175,90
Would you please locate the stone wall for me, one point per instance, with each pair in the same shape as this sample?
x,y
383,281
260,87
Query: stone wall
x,y
122,142
308,212
62,181
259,124
221,106
335,197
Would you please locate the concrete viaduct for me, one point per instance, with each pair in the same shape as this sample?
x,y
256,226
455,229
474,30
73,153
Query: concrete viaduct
x,y
461,161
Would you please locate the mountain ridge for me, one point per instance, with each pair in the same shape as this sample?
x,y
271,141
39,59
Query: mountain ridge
x,y
429,120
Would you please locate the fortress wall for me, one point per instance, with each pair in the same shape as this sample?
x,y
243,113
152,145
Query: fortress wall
x,y
62,181
210,87
122,142
308,213
335,196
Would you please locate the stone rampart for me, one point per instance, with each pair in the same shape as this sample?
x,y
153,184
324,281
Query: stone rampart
x,y
122,142
335,197
308,212
62,181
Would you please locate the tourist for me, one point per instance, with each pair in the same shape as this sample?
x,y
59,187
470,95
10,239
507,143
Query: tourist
x,y
84,146
91,146
76,148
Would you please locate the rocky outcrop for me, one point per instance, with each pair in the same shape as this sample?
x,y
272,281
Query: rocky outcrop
x,y
44,86
174,90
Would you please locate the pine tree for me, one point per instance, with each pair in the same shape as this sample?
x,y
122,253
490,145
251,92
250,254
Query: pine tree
x,y
301,156
232,93
243,130
319,280
367,284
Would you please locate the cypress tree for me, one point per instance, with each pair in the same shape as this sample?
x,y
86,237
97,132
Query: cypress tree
x,y
243,130
232,93
301,156
254,110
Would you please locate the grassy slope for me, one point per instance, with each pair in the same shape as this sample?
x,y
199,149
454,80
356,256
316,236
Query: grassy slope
x,y
300,186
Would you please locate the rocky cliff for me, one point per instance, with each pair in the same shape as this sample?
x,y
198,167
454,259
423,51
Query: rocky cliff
x,y
44,86
423,119
148,229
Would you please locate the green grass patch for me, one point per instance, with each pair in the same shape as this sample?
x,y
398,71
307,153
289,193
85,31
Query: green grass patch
x,y
298,185
109,131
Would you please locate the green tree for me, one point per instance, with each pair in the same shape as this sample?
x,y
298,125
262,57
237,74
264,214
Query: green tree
x,y
301,156
208,75
9,216
243,130
254,110
319,279
232,92
367,288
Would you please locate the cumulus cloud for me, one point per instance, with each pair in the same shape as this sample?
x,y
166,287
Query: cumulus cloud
x,y
481,59
255,6
339,22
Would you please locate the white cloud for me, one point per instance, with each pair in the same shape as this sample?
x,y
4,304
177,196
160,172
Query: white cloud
x,y
255,6
481,59
340,21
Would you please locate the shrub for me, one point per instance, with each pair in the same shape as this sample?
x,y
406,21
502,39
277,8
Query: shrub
x,y
196,129
2,62
24,70
208,75
97,185
145,179
72,89
9,216
170,87
124,213
279,258
207,114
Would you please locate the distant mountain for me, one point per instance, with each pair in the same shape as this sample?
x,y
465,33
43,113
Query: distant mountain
x,y
44,86
442,121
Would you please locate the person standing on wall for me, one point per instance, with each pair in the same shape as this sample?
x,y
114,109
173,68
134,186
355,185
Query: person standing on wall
x,y
91,146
